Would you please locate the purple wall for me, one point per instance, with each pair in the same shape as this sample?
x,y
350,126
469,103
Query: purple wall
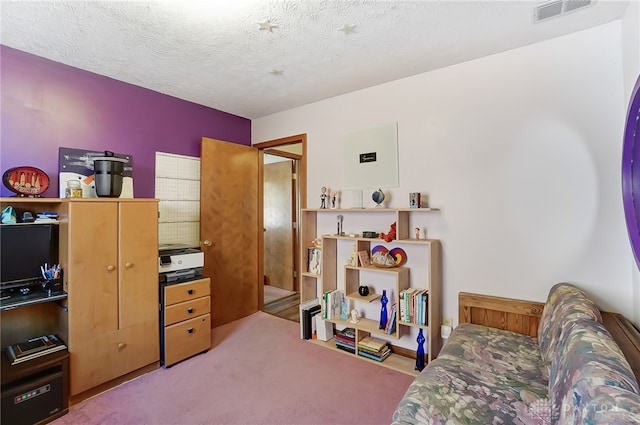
x,y
46,105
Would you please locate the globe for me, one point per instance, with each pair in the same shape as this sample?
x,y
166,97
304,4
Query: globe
x,y
378,197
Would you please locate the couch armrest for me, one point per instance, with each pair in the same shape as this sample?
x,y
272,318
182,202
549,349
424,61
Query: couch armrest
x,y
508,314
626,336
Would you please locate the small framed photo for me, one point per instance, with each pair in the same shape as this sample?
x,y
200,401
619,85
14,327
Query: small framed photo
x,y
364,258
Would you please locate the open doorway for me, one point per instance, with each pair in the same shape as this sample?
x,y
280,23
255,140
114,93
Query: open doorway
x,y
283,181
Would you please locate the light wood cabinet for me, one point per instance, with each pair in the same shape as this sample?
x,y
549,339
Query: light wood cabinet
x,y
430,253
112,282
186,320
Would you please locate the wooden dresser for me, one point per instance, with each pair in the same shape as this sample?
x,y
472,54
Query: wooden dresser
x,y
186,320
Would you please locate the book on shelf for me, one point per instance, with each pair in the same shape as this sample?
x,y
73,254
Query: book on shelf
x,y
306,306
307,318
331,304
346,348
374,344
377,357
391,321
414,306
34,348
347,333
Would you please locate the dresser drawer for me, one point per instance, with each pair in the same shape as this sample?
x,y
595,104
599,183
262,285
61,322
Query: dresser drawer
x,y
186,310
187,338
105,357
186,291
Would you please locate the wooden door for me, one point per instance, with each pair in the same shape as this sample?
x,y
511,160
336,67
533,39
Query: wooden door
x,y
229,225
92,273
278,224
138,263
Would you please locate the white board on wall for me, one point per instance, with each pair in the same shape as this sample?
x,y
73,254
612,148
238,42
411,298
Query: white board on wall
x,y
371,158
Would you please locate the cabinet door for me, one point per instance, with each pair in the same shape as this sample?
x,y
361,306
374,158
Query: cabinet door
x,y
92,272
138,265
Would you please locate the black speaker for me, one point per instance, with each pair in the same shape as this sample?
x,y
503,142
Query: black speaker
x,y
33,400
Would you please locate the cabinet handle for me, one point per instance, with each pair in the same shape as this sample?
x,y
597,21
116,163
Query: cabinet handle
x,y
111,267
190,291
121,345
128,265
190,330
190,310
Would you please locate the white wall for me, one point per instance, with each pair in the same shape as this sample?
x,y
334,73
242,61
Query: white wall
x,y
521,150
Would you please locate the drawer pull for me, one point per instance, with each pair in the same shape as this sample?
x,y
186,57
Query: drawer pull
x,y
128,265
121,345
190,291
190,310
111,267
190,330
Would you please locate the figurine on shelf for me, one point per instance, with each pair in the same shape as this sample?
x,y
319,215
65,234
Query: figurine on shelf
x,y
323,198
339,218
383,312
354,316
420,352
388,237
417,233
334,196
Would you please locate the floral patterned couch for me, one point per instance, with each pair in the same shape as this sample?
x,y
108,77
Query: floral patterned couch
x,y
572,373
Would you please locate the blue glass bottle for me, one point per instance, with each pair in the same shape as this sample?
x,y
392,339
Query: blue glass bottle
x,y
420,351
383,313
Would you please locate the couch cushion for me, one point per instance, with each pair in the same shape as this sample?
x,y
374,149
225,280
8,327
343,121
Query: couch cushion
x,y
587,368
481,376
500,352
565,304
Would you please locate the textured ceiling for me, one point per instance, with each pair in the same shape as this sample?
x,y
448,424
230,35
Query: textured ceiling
x,y
215,54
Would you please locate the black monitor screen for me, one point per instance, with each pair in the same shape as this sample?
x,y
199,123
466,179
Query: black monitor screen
x,y
23,249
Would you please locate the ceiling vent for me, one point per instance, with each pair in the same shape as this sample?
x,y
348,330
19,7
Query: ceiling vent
x,y
554,8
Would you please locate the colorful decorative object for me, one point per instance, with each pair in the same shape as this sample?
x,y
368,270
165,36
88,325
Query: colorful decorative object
x,y
383,311
388,237
399,256
420,351
26,181
379,248
383,259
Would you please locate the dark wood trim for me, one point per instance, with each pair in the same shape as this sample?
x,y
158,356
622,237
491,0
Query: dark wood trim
x,y
627,337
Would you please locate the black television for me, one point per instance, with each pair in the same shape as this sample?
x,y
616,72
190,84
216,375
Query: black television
x,y
23,249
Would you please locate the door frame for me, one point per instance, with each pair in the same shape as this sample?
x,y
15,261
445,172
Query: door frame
x,y
301,185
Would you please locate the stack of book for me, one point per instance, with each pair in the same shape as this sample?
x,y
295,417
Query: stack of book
x,y
373,349
346,340
33,348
